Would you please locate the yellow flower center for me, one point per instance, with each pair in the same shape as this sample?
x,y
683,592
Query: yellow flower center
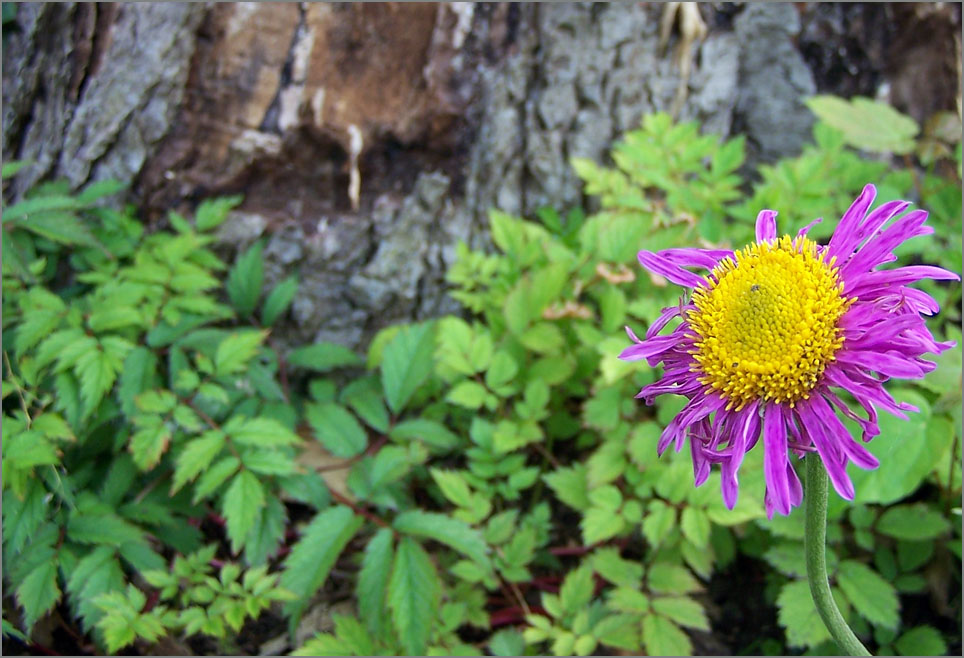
x,y
767,327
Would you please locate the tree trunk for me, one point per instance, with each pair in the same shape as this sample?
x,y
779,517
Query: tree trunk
x,y
368,139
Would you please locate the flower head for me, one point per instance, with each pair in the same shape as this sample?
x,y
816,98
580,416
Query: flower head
x,y
774,331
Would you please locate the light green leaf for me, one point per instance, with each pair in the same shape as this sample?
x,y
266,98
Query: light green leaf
x,y
413,595
921,641
507,642
609,565
912,522
682,610
501,371
268,462
664,578
241,506
337,429
799,616
543,338
102,528
696,526
866,124
664,638
215,476
453,486
452,532
406,362
569,485
468,393
137,376
364,396
212,212
658,522
236,350
307,566
38,592
259,432
196,456
372,584
422,429
873,597
599,524
323,356
148,444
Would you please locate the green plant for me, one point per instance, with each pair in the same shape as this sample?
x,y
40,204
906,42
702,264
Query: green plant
x,y
501,490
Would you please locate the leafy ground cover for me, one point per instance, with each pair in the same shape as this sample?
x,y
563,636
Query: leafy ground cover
x,y
480,483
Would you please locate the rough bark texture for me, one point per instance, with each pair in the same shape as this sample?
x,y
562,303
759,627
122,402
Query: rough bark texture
x,y
369,138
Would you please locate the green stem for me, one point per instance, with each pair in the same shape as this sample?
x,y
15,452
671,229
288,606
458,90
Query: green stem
x,y
815,547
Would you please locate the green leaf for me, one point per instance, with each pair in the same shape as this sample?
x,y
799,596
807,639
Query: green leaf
x,y
406,362
543,338
501,371
866,124
413,595
149,443
339,431
577,589
236,350
799,616
452,532
266,534
682,610
696,526
196,456
658,522
873,597
569,485
268,462
259,432
307,566
609,565
323,356
279,300
102,528
212,212
453,486
468,393
666,578
372,584
22,517
507,642
38,592
921,641
517,308
422,429
137,376
364,396
241,506
244,281
664,638
215,476
96,374
600,524
912,522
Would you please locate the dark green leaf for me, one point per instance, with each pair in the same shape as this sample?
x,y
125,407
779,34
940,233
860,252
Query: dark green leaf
x,y
323,356
413,595
279,300
372,586
244,281
337,429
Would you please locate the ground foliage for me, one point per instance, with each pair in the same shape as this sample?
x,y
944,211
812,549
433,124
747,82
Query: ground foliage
x,y
503,494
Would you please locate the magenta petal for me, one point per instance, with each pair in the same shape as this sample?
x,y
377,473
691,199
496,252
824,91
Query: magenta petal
x,y
766,226
775,458
831,457
851,220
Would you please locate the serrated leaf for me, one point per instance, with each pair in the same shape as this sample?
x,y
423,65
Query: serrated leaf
x,y
433,433
666,578
664,638
569,485
872,596
612,567
22,517
866,124
323,356
215,476
577,589
148,444
307,566
600,524
96,375
682,610
244,281
468,393
407,361
507,642
236,350
240,506
137,376
921,641
413,594
101,528
452,532
364,396
259,432
38,592
196,456
799,616
336,429
696,526
658,522
212,212
279,300
912,522
453,486
266,534
372,585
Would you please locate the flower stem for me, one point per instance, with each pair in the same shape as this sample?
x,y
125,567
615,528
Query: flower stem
x,y
815,547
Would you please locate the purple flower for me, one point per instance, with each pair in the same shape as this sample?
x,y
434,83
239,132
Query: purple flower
x,y
772,334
